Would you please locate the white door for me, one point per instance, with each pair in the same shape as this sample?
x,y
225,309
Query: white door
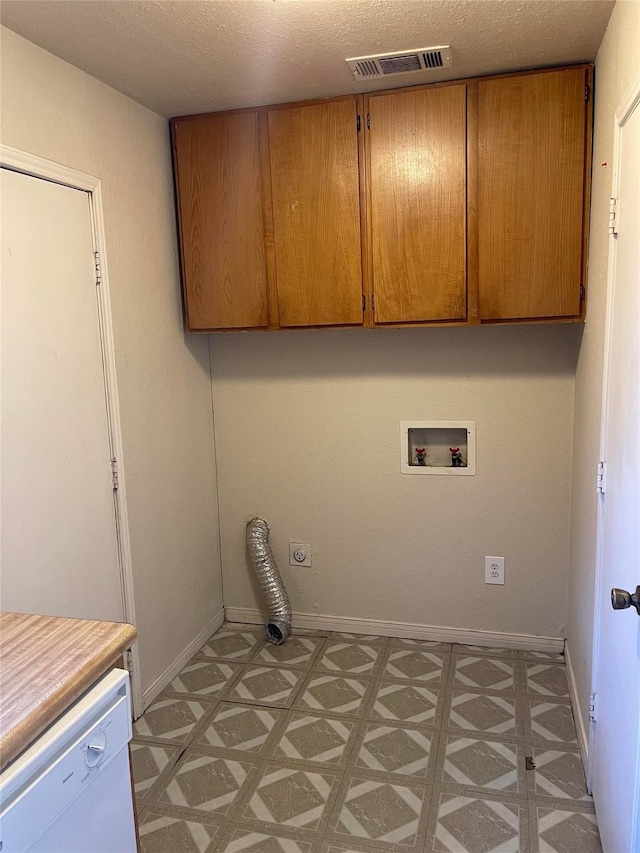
x,y
616,741
59,552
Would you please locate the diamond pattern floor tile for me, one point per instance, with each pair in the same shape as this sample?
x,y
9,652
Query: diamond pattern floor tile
x,y
391,749
358,638
481,764
334,694
548,679
205,783
491,651
424,645
170,719
352,658
240,727
415,664
483,713
410,703
550,657
265,685
203,678
352,847
230,644
381,811
249,841
290,797
560,775
552,721
352,743
297,651
161,833
470,825
147,763
486,672
321,740
567,831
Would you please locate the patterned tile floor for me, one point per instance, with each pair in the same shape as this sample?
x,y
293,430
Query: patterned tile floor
x,y
334,743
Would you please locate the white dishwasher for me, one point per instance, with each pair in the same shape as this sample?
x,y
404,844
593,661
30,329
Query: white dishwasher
x,y
70,791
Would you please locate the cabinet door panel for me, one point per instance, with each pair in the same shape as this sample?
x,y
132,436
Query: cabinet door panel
x,y
316,213
218,169
417,171
531,183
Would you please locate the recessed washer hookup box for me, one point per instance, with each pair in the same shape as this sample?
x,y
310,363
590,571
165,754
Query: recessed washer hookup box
x,y
445,448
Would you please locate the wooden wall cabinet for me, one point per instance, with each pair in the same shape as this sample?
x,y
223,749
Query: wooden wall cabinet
x,y
217,168
315,191
533,170
416,177
269,215
455,203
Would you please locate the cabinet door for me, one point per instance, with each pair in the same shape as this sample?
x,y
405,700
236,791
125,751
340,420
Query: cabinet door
x,y
417,197
316,213
531,186
220,207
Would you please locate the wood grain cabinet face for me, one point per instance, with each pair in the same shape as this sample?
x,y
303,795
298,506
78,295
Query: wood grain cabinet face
x,y
457,203
313,153
417,198
220,206
532,149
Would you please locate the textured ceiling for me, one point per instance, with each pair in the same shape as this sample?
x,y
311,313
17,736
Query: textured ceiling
x,y
188,56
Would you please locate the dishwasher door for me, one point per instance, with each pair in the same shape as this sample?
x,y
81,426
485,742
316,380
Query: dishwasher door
x,y
70,791
100,821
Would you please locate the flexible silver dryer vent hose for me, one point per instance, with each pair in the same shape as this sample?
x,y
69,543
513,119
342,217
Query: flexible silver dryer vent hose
x,y
278,627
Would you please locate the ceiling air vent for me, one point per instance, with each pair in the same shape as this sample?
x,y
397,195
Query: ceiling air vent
x,y
405,62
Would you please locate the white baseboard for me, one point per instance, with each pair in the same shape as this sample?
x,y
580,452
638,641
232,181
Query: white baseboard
x,y
582,725
171,671
404,629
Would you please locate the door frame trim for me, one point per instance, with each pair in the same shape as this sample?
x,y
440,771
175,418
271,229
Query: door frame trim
x,y
629,102
38,167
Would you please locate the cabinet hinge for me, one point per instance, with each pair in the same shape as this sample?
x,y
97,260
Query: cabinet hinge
x,y
582,291
587,92
368,122
613,216
128,661
364,303
114,474
373,301
601,478
358,124
592,707
98,267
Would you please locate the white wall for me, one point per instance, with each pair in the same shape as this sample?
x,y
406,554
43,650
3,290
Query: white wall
x,y
54,110
617,62
307,434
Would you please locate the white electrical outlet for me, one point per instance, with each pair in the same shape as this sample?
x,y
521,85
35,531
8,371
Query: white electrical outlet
x,y
494,570
299,555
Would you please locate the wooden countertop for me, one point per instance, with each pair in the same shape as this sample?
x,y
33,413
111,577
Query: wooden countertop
x,y
46,663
